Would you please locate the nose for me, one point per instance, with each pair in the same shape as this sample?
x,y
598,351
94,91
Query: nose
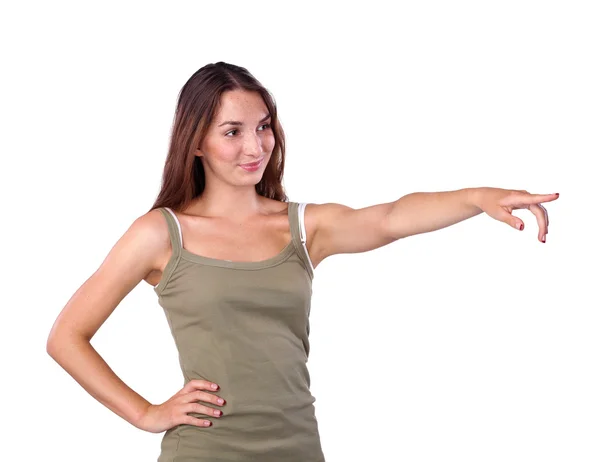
x,y
253,145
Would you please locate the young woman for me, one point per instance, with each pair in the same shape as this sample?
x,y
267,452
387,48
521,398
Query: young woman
x,y
231,261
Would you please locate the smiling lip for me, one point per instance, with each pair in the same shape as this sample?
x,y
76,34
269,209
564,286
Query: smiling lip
x,y
252,166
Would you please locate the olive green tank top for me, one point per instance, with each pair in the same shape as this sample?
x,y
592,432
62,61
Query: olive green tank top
x,y
245,326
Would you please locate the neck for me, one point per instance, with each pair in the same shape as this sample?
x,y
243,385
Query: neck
x,y
235,204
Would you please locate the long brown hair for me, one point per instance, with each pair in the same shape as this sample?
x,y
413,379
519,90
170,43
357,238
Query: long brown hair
x,y
183,175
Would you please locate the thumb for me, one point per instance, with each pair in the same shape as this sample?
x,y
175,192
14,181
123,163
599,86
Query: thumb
x,y
507,218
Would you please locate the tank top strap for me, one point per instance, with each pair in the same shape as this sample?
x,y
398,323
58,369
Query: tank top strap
x,y
298,230
175,233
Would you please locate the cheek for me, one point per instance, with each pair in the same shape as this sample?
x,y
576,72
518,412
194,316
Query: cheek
x,y
227,155
222,151
269,142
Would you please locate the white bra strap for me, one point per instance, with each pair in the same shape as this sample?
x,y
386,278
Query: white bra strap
x,y
301,207
178,226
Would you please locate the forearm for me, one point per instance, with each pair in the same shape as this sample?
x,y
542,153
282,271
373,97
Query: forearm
x,y
79,358
423,212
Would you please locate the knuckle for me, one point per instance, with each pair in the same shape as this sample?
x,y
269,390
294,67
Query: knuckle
x,y
202,409
201,396
206,397
189,420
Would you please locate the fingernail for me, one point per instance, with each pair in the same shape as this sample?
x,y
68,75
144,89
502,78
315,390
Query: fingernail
x,y
544,238
519,226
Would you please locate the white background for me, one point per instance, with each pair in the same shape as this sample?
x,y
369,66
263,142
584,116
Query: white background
x,y
472,343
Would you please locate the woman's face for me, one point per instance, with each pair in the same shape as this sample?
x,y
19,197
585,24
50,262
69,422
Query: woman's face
x,y
240,133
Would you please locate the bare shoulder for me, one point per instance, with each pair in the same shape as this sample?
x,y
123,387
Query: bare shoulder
x,y
138,252
316,217
154,238
338,228
146,239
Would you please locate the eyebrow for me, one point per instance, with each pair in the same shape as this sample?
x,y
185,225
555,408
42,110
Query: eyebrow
x,y
235,122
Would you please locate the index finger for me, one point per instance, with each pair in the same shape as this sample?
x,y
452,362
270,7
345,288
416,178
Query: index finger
x,y
200,384
539,198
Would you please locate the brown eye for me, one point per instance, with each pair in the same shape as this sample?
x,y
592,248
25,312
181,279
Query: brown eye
x,y
263,125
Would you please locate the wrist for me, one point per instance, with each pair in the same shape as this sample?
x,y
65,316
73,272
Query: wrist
x,y
137,420
473,197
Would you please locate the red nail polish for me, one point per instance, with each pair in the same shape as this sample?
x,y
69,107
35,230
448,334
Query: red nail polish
x,y
521,227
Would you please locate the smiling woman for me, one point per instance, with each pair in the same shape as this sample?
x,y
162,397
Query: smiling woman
x,y
230,260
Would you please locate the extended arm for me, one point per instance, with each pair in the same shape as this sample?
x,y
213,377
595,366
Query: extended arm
x,y
342,229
